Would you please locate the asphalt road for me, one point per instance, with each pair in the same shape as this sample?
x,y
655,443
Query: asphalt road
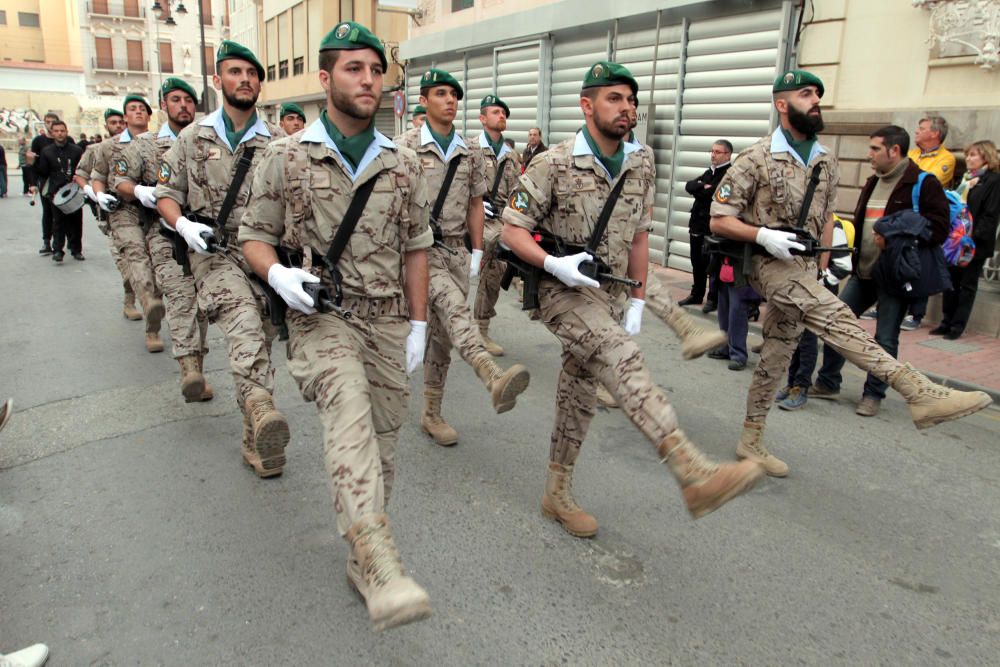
x,y
130,532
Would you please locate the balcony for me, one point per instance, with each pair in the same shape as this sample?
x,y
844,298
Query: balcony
x,y
120,67
117,11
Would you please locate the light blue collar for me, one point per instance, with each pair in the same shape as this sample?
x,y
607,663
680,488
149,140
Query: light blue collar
x,y
214,120
484,142
780,145
124,137
316,133
581,147
166,132
427,138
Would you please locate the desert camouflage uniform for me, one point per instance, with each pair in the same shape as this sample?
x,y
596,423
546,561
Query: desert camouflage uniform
x,y
493,269
187,324
95,158
765,187
196,173
353,369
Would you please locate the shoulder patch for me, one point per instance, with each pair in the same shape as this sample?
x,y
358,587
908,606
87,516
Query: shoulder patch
x,y
121,167
519,201
164,175
723,193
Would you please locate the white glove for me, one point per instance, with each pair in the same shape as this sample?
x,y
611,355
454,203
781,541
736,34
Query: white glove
x,y
89,191
477,260
191,232
828,278
565,269
415,344
633,316
288,284
488,210
144,193
104,200
778,243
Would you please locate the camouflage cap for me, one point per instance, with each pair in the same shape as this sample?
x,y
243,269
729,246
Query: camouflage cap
x,y
230,50
438,77
419,110
112,112
794,79
349,36
607,73
288,108
494,101
174,83
134,97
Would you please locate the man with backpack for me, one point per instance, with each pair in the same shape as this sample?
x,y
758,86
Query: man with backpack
x,y
888,191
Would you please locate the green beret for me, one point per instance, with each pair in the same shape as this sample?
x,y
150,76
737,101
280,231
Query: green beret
x,y
230,50
794,79
133,97
419,109
112,112
438,77
606,73
350,36
288,108
174,83
494,101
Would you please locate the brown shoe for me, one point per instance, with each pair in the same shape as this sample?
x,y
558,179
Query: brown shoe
x,y
207,393
868,407
154,314
930,403
431,421
558,503
192,381
491,345
751,447
375,571
706,485
270,433
153,342
695,340
504,385
129,311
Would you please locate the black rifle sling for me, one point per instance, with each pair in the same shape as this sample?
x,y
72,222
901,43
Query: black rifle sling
x,y
445,186
242,167
604,218
350,221
501,167
807,200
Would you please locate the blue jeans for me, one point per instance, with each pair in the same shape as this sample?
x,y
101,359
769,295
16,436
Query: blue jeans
x,y
860,295
733,315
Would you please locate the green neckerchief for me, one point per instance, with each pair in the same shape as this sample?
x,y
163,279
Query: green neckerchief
x,y
236,136
352,148
444,140
613,163
495,145
803,148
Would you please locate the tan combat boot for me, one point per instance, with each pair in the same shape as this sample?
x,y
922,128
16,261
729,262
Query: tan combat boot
x,y
490,344
128,304
375,571
558,503
706,485
930,403
432,423
192,381
695,340
751,447
207,393
605,398
270,434
153,308
504,386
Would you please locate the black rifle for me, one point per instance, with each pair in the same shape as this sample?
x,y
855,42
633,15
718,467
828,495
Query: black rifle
x,y
179,247
449,176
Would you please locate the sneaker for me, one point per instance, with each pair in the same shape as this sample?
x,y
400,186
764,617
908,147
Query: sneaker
x,y
58,257
737,365
868,407
783,393
910,324
709,307
46,249
720,353
78,256
795,400
822,391
869,315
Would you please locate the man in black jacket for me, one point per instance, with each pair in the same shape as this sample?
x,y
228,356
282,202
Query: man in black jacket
x,y
889,190
702,189
38,144
55,167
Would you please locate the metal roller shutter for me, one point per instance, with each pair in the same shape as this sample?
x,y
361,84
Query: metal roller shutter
x,y
478,86
518,80
572,54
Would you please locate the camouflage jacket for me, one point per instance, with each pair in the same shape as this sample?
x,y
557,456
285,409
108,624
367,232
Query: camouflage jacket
x,y
508,161
86,164
102,160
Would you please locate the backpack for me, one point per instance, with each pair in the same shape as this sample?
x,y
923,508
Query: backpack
x,y
959,248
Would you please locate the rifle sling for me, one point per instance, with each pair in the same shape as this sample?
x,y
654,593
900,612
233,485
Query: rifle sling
x,y
604,217
350,221
807,200
242,167
501,168
443,193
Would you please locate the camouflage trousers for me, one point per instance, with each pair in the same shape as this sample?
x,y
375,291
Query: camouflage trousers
x,y
658,297
449,319
491,274
120,264
130,240
353,371
596,349
796,301
228,299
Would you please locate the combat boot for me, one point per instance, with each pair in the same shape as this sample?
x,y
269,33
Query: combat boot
x,y
504,386
751,447
207,393
432,423
930,403
375,571
558,503
490,344
695,340
153,308
128,305
706,485
192,381
270,434
605,398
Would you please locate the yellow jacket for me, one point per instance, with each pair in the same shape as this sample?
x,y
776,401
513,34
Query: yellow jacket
x,y
940,162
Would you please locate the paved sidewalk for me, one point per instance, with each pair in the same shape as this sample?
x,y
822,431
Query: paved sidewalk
x,y
971,362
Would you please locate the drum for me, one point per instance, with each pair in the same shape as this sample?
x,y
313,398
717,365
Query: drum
x,y
69,198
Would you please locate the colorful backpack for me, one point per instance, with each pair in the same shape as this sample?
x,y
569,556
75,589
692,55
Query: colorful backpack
x,y
959,248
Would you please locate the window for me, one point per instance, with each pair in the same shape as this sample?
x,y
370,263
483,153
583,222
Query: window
x,y
132,8
105,54
134,50
27,20
298,66
283,69
206,12
459,5
209,56
270,73
166,57
99,7
3,17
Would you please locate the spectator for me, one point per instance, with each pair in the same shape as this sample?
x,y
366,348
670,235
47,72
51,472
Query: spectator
x,y
22,163
95,139
38,144
982,192
3,172
56,167
534,147
889,190
702,189
735,306
83,142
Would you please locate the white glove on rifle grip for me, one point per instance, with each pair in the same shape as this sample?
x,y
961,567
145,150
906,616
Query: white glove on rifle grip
x,y
566,269
144,193
477,260
633,316
416,341
778,243
191,232
103,199
89,191
288,284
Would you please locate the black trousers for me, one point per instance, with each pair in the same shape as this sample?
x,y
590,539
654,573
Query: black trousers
x,y
956,303
27,178
67,230
47,214
699,266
